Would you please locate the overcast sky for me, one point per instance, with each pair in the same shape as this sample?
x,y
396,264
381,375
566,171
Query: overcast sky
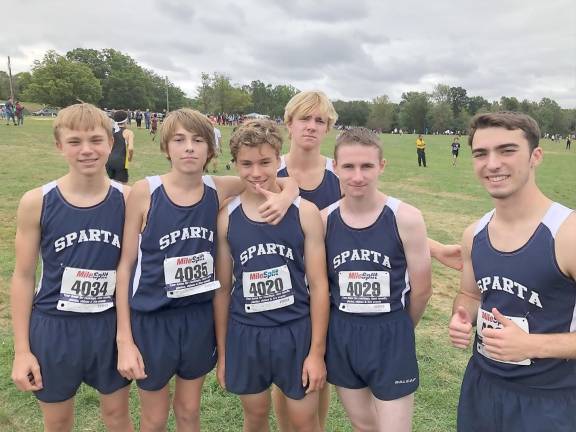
x,y
351,49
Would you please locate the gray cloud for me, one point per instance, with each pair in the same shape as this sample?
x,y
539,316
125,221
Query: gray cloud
x,y
352,50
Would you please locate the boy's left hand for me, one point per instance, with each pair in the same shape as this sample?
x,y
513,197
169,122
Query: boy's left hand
x,y
313,373
275,207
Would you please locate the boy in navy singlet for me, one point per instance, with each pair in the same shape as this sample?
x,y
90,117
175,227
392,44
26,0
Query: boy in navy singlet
x,y
380,282
519,287
166,275
64,333
271,321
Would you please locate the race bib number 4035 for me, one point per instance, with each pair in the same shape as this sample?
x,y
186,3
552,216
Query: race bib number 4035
x,y
364,291
267,289
87,291
188,275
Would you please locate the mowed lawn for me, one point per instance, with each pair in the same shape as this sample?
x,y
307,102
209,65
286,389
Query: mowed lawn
x,y
449,197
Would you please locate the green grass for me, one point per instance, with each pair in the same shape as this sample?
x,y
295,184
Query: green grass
x,y
449,197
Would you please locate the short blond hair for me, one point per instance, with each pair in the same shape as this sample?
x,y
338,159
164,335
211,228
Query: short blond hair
x,y
307,101
255,133
82,116
193,121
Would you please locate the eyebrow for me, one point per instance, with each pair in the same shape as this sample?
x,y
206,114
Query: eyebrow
x,y
498,147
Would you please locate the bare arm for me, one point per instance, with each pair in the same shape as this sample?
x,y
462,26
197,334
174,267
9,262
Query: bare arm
x,y
467,301
130,363
221,301
22,290
314,370
413,235
448,255
129,137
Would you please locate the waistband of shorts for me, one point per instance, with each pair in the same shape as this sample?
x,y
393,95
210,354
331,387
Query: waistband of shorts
x,y
170,311
75,315
522,388
233,321
369,319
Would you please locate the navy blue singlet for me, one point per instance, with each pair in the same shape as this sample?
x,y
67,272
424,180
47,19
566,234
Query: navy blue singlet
x,y
177,251
527,286
80,249
367,268
269,279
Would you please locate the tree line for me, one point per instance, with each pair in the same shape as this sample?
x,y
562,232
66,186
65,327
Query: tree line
x,y
112,79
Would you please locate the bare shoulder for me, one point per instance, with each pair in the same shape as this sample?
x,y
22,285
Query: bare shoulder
x,y
468,235
308,209
31,203
408,216
565,240
140,188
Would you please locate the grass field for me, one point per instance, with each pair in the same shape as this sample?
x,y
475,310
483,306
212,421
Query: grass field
x,y
449,198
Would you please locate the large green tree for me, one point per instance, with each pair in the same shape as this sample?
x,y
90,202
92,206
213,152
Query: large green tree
x,y
414,108
352,113
60,82
382,114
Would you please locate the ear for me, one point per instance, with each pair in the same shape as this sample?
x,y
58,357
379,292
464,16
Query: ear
x,y
536,157
382,164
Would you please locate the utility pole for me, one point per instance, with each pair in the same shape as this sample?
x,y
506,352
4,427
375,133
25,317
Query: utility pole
x,y
167,102
10,79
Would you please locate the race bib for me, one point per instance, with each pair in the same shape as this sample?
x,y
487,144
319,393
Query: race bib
x,y
267,289
87,291
189,275
364,291
486,320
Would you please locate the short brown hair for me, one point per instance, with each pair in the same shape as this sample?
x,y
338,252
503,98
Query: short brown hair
x,y
305,102
509,120
193,121
358,135
82,116
254,133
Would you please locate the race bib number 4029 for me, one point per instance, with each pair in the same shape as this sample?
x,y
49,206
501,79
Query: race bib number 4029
x,y
364,291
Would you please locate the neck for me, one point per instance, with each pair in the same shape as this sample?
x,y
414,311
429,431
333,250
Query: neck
x,y
525,205
303,159
81,184
183,181
372,201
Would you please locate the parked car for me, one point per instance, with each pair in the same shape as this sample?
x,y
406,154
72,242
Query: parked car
x,y
46,112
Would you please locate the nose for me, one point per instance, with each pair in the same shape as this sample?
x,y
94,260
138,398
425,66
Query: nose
x,y
86,147
357,175
256,171
493,161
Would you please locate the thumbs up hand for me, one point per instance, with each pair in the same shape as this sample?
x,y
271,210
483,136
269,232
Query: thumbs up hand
x,y
460,328
509,343
275,207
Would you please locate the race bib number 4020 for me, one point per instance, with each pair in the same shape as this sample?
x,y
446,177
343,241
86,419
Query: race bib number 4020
x,y
268,289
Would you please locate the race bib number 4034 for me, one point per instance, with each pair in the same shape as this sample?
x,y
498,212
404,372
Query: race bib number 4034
x,y
87,291
363,291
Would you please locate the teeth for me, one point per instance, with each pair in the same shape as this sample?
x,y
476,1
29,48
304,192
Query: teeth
x,y
497,178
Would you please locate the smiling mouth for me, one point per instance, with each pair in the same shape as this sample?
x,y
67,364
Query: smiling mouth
x,y
497,179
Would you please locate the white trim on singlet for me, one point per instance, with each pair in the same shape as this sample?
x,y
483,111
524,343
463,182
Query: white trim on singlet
x,y
282,163
117,186
484,221
393,204
573,323
233,204
209,181
138,270
39,286
332,207
48,187
154,182
296,202
555,217
329,165
406,289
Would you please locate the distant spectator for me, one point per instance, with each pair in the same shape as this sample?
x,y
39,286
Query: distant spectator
x,y
139,119
455,150
122,150
147,119
421,151
153,125
19,111
9,108
568,142
217,145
